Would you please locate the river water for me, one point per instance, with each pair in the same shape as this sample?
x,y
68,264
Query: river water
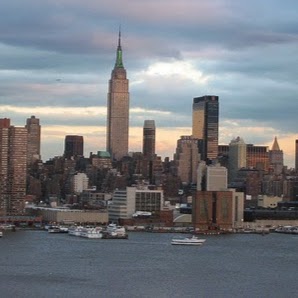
x,y
38,264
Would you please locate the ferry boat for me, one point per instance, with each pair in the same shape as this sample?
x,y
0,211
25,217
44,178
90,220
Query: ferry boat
x,y
114,231
92,233
287,230
188,241
53,229
75,231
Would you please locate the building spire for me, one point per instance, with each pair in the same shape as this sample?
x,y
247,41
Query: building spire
x,y
275,146
119,63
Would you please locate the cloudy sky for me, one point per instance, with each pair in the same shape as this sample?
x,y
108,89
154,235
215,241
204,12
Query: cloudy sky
x,y
56,58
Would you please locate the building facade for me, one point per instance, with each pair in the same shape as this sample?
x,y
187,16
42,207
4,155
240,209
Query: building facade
x,y
187,159
149,139
33,128
276,158
217,210
257,157
74,146
13,164
126,202
80,183
216,178
118,109
205,112
237,157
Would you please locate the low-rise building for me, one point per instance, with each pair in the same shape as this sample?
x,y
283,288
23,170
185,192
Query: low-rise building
x,y
126,202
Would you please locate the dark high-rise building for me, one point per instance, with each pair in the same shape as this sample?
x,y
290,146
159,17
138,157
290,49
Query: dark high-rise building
x,y
13,168
205,125
118,109
33,129
149,138
74,146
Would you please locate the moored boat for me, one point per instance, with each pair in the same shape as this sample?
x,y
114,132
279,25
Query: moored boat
x,y
287,230
188,241
92,233
53,229
114,231
75,231
1,234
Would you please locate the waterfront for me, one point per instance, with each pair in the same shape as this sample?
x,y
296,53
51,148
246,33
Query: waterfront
x,y
36,264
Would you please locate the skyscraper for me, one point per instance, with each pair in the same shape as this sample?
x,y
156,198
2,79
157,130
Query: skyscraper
x,y
149,138
276,158
33,129
13,167
74,146
118,109
205,125
187,159
237,157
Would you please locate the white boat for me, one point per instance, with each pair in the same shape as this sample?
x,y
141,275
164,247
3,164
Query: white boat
x,y
1,234
75,231
287,230
115,230
188,241
92,233
53,229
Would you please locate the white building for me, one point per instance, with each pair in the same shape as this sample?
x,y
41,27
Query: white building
x,y
268,201
126,202
80,182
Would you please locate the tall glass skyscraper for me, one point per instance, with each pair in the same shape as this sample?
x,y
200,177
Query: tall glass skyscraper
x,y
205,125
118,109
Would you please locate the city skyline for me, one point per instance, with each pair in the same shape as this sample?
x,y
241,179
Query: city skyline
x,y
56,61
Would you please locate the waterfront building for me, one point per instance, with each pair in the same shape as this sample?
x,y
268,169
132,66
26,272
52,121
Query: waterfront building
x,y
276,158
149,139
205,112
237,157
186,159
64,215
13,165
217,210
33,128
74,146
118,109
127,201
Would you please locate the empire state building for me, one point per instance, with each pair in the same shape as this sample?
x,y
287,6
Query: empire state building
x,y
118,109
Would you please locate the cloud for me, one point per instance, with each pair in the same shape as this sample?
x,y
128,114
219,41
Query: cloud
x,y
57,57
